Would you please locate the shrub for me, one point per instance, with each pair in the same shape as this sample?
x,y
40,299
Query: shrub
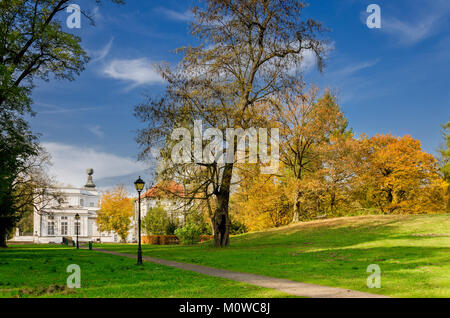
x,y
160,240
171,227
169,240
189,234
204,238
198,218
156,221
150,239
154,240
237,227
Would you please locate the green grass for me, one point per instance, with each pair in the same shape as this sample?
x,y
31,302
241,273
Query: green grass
x,y
40,271
412,251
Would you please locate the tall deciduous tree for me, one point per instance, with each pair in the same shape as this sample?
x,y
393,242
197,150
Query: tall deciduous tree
x,y
306,124
340,165
116,211
29,191
33,46
250,50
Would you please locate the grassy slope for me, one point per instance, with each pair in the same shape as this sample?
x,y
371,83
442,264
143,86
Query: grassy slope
x,y
337,253
40,271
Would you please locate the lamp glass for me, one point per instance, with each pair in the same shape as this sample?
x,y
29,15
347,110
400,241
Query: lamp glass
x,y
77,217
139,184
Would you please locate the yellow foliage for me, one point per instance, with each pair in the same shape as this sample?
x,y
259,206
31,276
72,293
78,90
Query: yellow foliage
x,y
261,202
115,213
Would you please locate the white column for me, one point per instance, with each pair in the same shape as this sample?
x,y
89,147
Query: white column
x,y
85,230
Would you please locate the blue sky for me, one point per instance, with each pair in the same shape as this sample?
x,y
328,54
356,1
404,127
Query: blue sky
x,y
389,80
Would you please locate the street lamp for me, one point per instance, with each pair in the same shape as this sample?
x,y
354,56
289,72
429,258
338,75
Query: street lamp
x,y
139,184
77,227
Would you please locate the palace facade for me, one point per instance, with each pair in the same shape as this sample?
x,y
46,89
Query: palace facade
x,y
58,221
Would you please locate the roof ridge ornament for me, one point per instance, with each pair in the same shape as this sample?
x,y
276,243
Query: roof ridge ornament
x,y
90,182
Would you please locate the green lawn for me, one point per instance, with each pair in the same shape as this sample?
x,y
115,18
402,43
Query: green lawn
x,y
412,251
40,271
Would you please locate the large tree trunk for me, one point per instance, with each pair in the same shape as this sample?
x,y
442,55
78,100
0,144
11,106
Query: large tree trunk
x,y
222,223
221,217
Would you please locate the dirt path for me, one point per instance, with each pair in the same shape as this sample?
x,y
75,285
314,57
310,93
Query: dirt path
x,y
283,285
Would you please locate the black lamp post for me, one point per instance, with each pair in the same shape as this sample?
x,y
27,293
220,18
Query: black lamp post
x,y
77,227
139,184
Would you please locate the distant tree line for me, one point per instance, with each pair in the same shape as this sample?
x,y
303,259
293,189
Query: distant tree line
x,y
328,172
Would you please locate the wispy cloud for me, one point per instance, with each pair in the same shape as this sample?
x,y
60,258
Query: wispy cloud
x,y
70,163
426,20
355,68
55,109
102,53
185,16
410,33
138,71
97,131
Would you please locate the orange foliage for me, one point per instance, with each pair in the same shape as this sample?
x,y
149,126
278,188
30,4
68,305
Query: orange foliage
x,y
401,177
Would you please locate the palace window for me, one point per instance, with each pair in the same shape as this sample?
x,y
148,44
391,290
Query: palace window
x,y
81,202
51,225
64,225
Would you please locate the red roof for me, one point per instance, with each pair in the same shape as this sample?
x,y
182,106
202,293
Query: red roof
x,y
164,189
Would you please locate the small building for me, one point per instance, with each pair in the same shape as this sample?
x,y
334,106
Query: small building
x,y
52,224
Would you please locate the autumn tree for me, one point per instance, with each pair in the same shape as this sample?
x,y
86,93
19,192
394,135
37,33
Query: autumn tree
x,y
307,125
249,50
116,212
340,164
261,201
399,177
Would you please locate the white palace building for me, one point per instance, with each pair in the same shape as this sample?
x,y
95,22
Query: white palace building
x,y
58,221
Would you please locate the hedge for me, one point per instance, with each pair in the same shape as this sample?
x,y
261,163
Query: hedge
x,y
169,239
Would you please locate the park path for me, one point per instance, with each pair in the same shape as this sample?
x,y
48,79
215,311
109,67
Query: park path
x,y
283,285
